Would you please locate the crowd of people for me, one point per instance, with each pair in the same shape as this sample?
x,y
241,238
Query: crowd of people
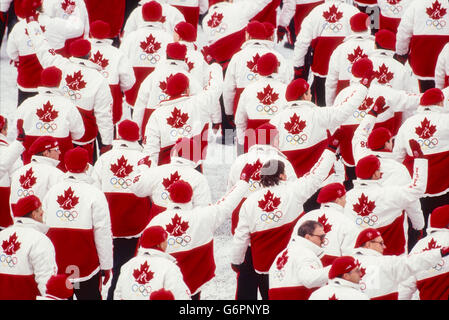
x,y
117,100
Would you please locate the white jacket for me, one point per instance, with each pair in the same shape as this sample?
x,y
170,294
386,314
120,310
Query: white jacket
x,y
442,69
147,272
66,9
391,13
290,8
339,289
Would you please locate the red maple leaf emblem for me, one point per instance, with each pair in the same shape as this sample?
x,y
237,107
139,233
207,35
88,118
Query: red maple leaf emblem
x,y
167,182
256,174
28,179
177,227
145,161
47,114
323,220
282,260
68,6
436,11
150,45
295,125
393,2
333,297
76,81
432,245
426,130
267,96
122,169
12,245
163,84
252,64
177,119
364,207
269,202
358,54
143,275
333,15
98,59
366,104
163,19
362,272
383,75
68,201
190,64
215,20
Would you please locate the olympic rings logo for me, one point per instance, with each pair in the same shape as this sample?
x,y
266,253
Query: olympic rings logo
x,y
120,183
438,24
24,193
164,195
252,76
163,97
144,290
271,217
30,44
105,74
296,138
46,127
71,93
10,261
396,10
359,115
280,274
325,242
152,58
362,286
181,131
221,29
439,266
270,110
370,221
179,241
428,143
334,27
67,215
254,185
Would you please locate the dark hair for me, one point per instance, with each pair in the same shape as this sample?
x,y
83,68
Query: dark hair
x,y
308,227
270,173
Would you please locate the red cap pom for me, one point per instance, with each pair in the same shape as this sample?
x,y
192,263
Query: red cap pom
x,y
177,84
2,122
162,294
366,235
187,148
367,166
26,205
51,77
378,138
152,11
362,67
432,97
180,192
42,144
331,192
386,39
267,64
439,218
186,31
128,130
59,286
80,48
342,265
296,89
152,236
176,51
266,134
359,22
100,29
29,6
76,160
269,29
256,30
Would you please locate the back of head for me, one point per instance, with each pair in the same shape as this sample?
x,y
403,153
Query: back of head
x,y
51,77
432,97
26,205
439,218
366,235
331,192
177,85
152,11
128,130
80,48
342,265
359,23
100,29
385,39
296,89
367,166
256,30
180,192
270,173
267,64
41,144
76,160
377,139
176,51
162,294
152,237
186,31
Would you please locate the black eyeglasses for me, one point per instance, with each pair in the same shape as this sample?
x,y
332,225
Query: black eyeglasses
x,y
322,236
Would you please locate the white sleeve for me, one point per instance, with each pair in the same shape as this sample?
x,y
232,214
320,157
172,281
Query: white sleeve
x,y
126,74
131,22
120,283
414,212
400,145
12,50
407,288
311,277
101,221
76,123
229,87
441,67
303,41
332,78
402,101
143,96
143,182
404,267
4,5
10,156
405,31
241,117
204,6
68,28
174,282
241,239
361,134
287,12
97,172
215,84
202,195
103,112
417,187
43,259
251,8
152,139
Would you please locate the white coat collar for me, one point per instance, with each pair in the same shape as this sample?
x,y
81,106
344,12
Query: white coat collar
x,y
361,183
3,140
155,253
101,42
46,91
257,43
366,252
170,102
265,149
78,177
382,52
431,230
304,243
180,161
85,63
170,63
424,109
301,104
334,206
339,282
31,223
153,25
180,206
124,144
360,36
45,160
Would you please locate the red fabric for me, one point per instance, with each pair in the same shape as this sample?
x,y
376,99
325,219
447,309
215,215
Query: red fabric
x,y
422,60
394,237
367,1
435,288
164,155
129,213
268,14
191,14
223,49
302,11
117,106
74,247
238,93
146,116
446,81
197,265
29,71
304,159
390,296
90,125
18,9
323,49
90,150
18,287
391,24
65,144
290,293
250,138
267,244
67,44
5,213
327,260
112,13
140,73
235,216
341,84
203,141
155,210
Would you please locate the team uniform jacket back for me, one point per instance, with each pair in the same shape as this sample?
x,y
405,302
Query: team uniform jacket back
x,y
339,289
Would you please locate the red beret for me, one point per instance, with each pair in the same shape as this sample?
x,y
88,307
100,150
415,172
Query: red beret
x,y
80,48
439,218
366,235
378,138
176,51
362,67
366,167
42,144
28,6
186,31
59,286
152,236
359,22
152,11
100,29
386,39
51,77
162,294
296,89
266,134
432,97
26,205
180,192
331,192
2,122
267,64
269,29
128,130
187,148
76,160
256,30
342,265
177,84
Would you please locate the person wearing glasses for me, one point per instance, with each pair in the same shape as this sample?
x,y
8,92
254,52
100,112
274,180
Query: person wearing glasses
x,y
298,271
